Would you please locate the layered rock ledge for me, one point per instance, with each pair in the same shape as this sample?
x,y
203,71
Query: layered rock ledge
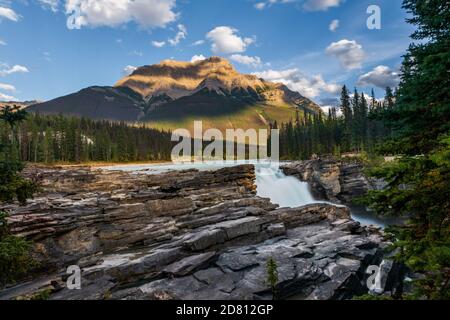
x,y
333,180
186,235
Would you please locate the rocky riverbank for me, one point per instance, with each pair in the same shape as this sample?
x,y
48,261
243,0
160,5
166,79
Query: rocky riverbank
x,y
187,235
333,180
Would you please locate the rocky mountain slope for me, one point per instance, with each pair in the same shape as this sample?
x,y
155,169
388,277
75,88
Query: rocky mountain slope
x,y
172,94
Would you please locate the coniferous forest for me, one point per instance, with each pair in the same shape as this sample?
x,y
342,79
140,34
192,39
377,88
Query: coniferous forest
x,y
53,139
62,139
355,129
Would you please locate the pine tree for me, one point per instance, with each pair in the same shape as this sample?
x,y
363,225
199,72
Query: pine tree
x,y
389,98
364,110
357,121
348,117
272,276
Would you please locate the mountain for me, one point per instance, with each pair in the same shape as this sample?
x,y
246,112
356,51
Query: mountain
x,y
96,103
22,104
172,94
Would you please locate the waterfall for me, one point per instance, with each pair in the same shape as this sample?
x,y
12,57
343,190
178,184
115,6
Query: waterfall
x,y
286,191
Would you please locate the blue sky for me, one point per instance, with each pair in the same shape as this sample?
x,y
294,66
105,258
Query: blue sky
x,y
50,48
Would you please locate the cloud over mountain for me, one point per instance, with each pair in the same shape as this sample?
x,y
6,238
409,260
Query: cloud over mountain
x,y
5,97
246,60
129,70
198,57
310,87
225,40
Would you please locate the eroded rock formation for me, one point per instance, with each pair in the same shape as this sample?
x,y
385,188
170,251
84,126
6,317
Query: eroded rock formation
x,y
332,180
186,235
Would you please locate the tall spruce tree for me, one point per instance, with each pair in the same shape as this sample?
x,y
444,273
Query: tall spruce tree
x,y
357,120
348,117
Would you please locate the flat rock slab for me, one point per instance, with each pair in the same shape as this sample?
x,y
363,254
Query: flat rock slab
x,y
189,265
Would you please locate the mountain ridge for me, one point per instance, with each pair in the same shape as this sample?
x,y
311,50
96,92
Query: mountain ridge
x,y
171,92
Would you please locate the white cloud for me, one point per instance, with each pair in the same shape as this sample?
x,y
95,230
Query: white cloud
x,y
380,77
198,57
2,43
366,96
275,75
321,5
47,56
248,41
260,5
181,34
129,70
268,3
198,42
158,44
95,13
309,87
7,87
308,5
9,14
334,25
136,53
327,108
247,60
5,97
225,40
6,70
350,53
50,4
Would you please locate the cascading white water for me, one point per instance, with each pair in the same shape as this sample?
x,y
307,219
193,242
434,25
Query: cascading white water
x,y
283,190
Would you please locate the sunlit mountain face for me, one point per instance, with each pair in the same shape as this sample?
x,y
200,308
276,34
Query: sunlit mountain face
x,y
172,93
